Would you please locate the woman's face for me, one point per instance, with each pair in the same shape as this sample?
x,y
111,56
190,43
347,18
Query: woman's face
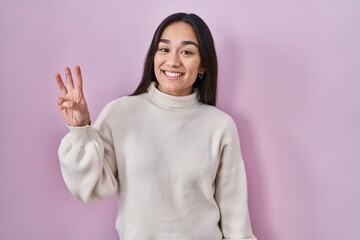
x,y
177,61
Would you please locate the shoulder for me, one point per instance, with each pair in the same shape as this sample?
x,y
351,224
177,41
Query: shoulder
x,y
123,103
121,106
216,114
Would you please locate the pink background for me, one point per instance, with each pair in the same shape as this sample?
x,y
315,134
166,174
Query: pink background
x,y
289,76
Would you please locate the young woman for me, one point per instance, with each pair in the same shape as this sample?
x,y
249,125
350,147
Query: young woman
x,y
173,158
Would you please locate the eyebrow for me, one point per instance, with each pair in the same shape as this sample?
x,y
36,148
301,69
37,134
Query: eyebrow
x,y
187,42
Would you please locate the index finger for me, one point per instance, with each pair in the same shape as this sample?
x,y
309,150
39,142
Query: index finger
x,y
79,81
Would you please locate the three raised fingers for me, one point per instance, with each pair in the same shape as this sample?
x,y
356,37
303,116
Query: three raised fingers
x,y
69,80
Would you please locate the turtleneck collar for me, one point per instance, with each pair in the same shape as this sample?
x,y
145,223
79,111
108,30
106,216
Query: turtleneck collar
x,y
172,102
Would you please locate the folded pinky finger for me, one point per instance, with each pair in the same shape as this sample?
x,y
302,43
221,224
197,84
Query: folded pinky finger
x,y
60,101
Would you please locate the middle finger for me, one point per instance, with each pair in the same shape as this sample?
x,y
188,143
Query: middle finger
x,y
69,78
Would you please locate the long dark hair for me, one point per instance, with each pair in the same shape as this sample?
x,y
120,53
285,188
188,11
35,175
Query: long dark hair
x,y
208,84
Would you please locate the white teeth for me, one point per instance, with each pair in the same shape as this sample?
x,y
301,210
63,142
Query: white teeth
x,y
173,74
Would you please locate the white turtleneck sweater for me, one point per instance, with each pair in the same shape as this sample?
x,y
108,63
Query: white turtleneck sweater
x,y
174,162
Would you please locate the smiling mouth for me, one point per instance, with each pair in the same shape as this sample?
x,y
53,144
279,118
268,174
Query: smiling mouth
x,y
173,74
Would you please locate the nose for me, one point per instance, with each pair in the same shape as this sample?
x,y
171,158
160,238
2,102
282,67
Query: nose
x,y
173,60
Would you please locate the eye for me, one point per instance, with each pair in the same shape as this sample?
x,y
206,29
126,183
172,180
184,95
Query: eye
x,y
162,49
186,52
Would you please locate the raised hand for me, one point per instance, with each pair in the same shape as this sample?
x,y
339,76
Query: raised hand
x,y
72,102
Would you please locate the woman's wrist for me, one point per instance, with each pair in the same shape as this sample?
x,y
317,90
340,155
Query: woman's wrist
x,y
82,124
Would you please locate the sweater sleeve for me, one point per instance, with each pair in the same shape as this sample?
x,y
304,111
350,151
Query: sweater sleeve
x,y
88,164
231,189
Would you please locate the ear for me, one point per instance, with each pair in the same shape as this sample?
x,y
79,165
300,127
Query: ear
x,y
201,73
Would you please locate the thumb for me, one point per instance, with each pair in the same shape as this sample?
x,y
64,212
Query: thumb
x,y
71,105
68,104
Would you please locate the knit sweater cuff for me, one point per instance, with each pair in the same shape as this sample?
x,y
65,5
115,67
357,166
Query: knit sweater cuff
x,y
80,135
